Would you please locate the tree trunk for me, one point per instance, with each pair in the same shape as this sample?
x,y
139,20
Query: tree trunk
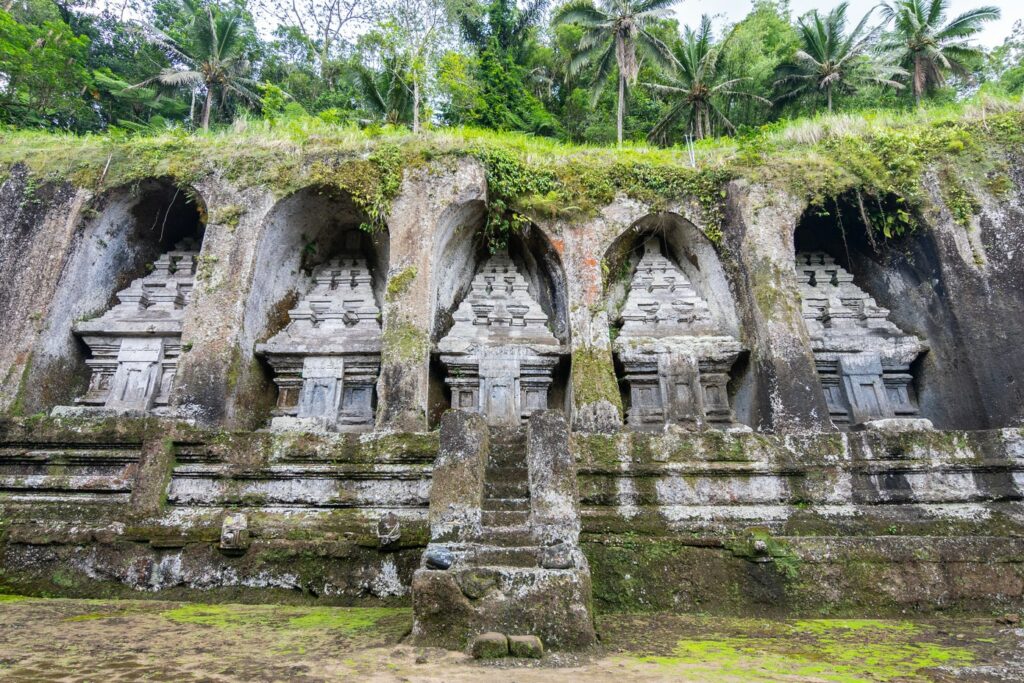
x,y
828,90
918,81
207,107
622,102
415,105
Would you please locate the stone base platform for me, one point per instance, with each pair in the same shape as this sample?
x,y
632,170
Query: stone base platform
x,y
453,606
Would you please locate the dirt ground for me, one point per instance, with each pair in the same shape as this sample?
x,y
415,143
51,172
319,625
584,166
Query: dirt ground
x,y
119,640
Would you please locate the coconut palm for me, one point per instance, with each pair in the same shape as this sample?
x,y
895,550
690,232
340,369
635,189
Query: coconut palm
x,y
212,56
387,93
926,46
832,60
695,86
616,36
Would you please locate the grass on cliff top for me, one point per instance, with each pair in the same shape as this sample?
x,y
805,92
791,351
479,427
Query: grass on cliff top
x,y
882,153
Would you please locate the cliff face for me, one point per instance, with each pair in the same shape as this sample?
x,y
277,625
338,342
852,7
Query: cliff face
x,y
139,503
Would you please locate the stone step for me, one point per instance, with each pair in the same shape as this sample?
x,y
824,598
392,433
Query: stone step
x,y
513,556
505,518
506,473
506,503
506,536
506,462
506,488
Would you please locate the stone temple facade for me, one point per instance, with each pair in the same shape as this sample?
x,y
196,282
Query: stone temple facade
x,y
675,357
497,513
863,359
326,360
500,352
136,344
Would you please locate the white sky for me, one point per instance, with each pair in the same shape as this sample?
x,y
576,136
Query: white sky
x,y
731,11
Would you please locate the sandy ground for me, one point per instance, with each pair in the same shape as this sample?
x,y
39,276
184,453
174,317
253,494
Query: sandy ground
x,y
119,640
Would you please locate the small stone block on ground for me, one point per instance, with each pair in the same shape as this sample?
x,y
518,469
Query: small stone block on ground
x,y
526,646
490,646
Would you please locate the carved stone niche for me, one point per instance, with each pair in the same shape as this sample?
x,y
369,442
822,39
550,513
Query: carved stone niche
x,y
675,356
135,345
327,359
500,353
863,359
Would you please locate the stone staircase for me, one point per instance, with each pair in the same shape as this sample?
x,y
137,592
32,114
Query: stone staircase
x,y
505,538
504,554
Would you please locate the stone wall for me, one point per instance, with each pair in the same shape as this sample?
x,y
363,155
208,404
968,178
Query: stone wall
x,y
795,514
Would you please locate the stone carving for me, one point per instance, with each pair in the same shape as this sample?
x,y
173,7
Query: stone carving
x,y
327,359
676,359
863,359
135,345
234,534
500,352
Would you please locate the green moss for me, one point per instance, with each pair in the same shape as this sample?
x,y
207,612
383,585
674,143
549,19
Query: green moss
x,y
404,342
884,155
346,620
760,543
600,450
400,282
17,407
228,216
63,579
836,658
593,378
349,619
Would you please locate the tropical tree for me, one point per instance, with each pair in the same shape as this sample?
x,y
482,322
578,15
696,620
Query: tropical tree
x,y
830,60
616,34
926,45
502,36
696,86
212,56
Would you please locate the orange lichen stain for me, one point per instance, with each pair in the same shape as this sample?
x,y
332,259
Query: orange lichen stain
x,y
559,246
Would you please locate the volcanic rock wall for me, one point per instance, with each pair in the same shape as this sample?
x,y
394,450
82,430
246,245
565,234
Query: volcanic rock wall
x,y
794,514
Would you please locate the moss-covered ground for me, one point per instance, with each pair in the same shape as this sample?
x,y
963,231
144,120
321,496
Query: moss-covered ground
x,y
89,640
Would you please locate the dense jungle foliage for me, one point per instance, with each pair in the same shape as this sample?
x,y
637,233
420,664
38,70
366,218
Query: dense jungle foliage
x,y
583,71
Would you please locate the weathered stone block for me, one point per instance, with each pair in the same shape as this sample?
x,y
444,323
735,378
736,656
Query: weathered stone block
x,y
457,488
490,646
234,534
525,646
554,507
553,604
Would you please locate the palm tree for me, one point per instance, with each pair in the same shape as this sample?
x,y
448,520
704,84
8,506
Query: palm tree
x,y
616,33
695,82
387,93
831,60
926,46
212,55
